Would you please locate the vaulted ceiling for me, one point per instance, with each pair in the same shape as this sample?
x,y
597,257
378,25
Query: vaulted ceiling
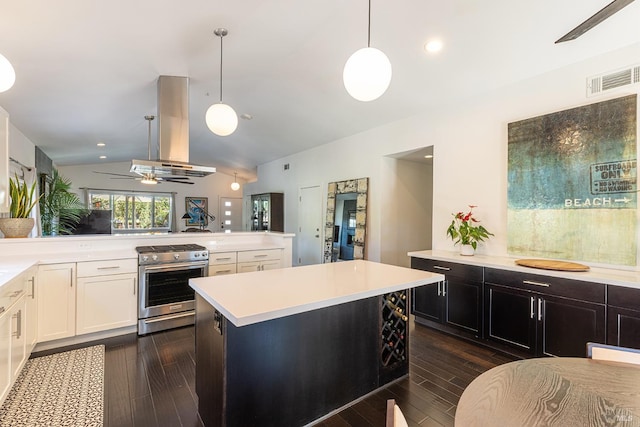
x,y
87,70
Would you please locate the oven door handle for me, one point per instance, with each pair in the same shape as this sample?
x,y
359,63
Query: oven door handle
x,y
177,266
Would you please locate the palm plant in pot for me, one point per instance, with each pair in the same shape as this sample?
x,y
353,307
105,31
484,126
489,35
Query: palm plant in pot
x,y
61,209
466,230
19,223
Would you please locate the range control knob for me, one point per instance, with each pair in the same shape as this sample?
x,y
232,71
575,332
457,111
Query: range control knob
x,y
197,254
154,257
176,256
145,258
205,253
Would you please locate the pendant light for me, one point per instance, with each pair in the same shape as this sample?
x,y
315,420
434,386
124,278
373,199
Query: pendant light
x,y
367,73
235,186
150,178
221,118
7,74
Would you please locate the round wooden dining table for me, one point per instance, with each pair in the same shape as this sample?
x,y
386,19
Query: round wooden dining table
x,y
553,391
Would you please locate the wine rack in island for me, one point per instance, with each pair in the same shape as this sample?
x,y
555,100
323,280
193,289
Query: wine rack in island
x,y
394,332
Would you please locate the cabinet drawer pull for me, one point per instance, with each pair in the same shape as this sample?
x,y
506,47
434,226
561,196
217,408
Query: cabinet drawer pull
x,y
531,282
223,271
444,288
223,259
439,293
539,309
260,256
18,317
533,302
33,289
437,267
112,267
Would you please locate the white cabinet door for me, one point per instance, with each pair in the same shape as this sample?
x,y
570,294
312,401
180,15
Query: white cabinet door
x,y
31,317
18,337
5,354
270,265
56,301
106,302
244,267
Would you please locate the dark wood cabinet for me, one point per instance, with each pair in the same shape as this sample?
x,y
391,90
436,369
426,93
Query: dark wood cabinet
x,y
455,303
542,315
623,318
510,317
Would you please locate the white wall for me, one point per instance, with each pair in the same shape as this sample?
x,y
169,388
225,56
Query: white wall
x,y
213,186
406,216
470,148
20,147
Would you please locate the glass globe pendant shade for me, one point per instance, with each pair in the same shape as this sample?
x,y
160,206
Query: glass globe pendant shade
x,y
7,74
235,186
367,74
221,119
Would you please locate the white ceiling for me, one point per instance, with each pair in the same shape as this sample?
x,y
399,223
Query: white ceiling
x,y
87,70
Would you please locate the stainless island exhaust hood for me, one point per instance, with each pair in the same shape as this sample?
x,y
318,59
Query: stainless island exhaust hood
x,y
173,133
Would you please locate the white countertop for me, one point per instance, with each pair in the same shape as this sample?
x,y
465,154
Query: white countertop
x,y
248,298
609,276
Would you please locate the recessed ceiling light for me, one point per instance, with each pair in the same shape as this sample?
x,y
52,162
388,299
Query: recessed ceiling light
x,y
103,157
429,156
433,46
101,144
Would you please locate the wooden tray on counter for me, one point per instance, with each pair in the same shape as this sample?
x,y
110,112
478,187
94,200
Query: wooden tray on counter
x,y
546,264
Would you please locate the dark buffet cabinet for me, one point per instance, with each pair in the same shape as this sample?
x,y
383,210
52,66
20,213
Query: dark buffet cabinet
x,y
623,316
527,314
543,315
456,303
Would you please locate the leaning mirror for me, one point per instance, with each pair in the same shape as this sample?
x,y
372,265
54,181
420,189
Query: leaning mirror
x,y
346,220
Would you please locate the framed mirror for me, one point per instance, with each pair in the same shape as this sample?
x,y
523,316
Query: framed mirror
x,y
346,220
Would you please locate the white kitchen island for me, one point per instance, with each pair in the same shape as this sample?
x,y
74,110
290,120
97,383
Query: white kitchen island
x,y
287,347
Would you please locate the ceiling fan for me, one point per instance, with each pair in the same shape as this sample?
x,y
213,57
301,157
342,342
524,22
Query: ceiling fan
x,y
594,20
150,178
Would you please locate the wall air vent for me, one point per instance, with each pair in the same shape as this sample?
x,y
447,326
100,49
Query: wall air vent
x,y
602,83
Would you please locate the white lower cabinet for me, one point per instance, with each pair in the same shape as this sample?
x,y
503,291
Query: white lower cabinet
x,y
5,354
106,302
31,289
18,336
56,290
14,323
263,260
222,263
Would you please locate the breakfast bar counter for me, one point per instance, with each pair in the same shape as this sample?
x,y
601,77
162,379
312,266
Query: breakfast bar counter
x,y
289,346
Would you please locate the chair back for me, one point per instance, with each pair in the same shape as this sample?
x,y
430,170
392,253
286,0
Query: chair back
x,y
597,351
395,418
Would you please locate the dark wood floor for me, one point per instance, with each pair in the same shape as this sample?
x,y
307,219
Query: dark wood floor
x,y
150,381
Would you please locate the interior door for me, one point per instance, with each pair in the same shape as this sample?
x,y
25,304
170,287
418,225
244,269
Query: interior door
x,y
230,213
309,226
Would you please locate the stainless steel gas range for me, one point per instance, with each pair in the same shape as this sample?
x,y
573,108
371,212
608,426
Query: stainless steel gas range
x,y
165,299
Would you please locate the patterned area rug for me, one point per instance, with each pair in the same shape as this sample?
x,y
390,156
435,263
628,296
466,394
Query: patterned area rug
x,y
63,389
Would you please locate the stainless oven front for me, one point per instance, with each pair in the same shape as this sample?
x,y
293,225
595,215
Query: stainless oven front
x,y
165,299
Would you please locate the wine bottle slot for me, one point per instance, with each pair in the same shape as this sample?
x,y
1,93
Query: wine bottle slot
x,y
400,316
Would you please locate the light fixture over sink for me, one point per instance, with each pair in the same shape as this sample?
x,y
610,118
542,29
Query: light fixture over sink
x,y
221,118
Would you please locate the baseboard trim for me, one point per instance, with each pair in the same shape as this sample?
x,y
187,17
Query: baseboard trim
x,y
79,339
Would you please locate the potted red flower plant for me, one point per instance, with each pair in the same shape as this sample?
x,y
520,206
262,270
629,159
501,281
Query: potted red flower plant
x,y
466,230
